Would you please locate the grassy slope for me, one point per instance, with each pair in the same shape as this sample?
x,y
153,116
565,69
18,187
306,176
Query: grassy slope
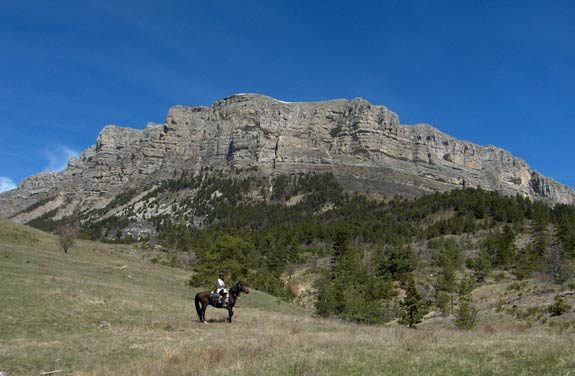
x,y
52,305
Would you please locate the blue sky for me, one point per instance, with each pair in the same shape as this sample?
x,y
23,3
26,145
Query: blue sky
x,y
490,72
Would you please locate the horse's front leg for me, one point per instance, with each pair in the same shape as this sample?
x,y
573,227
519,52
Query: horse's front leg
x,y
230,314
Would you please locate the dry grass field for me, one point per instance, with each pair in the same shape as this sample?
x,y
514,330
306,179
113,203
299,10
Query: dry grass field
x,y
104,310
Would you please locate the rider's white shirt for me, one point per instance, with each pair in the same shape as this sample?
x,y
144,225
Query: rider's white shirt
x,y
220,284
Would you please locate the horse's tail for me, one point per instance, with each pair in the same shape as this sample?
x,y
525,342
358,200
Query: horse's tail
x,y
198,307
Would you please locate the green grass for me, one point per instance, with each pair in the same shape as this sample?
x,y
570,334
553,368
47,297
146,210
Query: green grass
x,y
53,307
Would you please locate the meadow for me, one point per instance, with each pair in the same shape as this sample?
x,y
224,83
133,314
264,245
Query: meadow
x,y
104,309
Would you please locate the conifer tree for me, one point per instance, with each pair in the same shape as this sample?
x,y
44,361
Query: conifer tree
x,y
412,307
559,307
443,302
466,314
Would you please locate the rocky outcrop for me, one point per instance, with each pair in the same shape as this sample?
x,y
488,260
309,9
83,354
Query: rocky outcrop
x,y
364,145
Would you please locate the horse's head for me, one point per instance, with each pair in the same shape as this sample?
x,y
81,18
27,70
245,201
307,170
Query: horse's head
x,y
242,288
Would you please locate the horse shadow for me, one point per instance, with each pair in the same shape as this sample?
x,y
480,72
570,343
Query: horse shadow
x,y
217,321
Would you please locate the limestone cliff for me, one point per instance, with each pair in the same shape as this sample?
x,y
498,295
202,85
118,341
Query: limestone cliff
x,y
364,145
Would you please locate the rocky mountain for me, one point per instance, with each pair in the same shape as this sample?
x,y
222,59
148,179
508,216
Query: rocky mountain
x,y
363,145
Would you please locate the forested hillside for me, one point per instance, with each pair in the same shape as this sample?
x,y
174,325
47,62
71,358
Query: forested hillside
x,y
353,255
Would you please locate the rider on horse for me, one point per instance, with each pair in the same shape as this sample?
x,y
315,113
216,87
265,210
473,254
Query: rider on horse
x,y
205,298
221,290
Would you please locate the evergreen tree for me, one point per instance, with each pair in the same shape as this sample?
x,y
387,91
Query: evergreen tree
x,y
466,315
446,253
540,221
396,261
481,265
444,302
349,291
446,279
501,247
559,307
526,263
412,307
565,221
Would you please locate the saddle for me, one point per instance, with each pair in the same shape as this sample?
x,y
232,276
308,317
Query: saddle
x,y
219,298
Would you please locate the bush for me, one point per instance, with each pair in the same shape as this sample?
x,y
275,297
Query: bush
x,y
466,316
559,307
68,234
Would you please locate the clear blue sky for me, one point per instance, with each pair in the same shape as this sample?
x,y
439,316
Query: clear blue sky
x,y
491,72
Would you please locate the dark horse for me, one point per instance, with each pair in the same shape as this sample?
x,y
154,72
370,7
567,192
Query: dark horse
x,y
203,299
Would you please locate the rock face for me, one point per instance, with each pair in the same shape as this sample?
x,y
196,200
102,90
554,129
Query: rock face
x,y
364,145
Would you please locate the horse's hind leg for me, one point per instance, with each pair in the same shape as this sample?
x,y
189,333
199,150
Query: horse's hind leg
x,y
203,319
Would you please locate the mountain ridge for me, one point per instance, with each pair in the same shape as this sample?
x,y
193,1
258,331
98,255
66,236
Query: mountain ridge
x,y
364,145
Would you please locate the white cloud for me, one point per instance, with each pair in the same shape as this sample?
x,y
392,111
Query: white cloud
x,y
6,184
58,157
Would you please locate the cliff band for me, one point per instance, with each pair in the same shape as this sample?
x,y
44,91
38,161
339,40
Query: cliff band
x,y
363,145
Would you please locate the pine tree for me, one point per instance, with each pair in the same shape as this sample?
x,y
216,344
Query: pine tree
x,y
396,260
466,316
412,307
481,265
501,247
540,235
565,221
443,302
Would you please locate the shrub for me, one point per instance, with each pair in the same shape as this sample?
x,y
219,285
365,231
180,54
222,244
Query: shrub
x,y
466,315
68,233
559,307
